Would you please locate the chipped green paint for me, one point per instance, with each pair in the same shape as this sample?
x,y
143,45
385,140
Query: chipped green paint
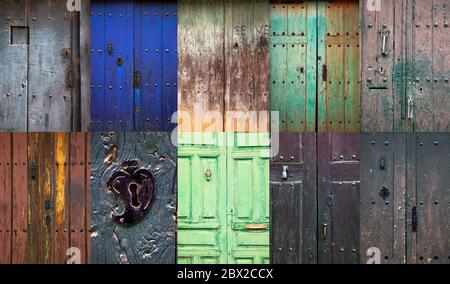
x,y
223,198
314,66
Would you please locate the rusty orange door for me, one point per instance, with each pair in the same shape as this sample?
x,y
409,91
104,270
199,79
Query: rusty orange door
x,y
44,198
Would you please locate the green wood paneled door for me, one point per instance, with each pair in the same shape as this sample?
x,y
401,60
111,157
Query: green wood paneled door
x,y
314,65
223,198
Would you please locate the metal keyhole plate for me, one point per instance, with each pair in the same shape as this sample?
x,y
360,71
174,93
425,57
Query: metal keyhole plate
x,y
136,187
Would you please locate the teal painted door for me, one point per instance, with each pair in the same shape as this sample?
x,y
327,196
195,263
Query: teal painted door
x,y
223,198
314,65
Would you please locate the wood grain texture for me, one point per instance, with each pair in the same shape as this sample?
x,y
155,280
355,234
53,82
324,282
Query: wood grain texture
x,y
85,71
414,72
315,209
13,70
338,198
294,200
40,206
224,58
152,240
415,176
42,78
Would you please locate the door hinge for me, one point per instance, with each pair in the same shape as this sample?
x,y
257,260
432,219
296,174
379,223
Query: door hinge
x,y
414,219
137,79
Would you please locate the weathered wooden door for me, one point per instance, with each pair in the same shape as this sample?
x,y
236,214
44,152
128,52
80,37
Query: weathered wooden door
x,y
224,58
134,65
223,207
314,65
44,198
315,199
40,67
123,229
405,201
406,80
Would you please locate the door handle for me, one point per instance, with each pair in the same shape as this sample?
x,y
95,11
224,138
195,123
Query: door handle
x,y
255,226
384,33
110,48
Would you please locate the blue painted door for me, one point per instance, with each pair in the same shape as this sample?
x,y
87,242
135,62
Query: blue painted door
x,y
133,65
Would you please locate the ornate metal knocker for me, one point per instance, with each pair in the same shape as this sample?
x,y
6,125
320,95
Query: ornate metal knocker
x,y
136,188
208,174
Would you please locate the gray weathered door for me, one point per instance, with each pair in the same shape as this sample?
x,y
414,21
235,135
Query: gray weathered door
x,y
405,193
123,229
40,67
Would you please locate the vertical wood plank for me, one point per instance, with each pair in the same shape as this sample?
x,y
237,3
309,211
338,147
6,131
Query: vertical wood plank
x,y
61,165
20,202
88,198
13,75
50,67
441,62
85,71
78,212
6,200
422,92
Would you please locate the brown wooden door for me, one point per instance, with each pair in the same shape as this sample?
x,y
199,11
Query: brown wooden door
x,y
44,197
315,199
405,84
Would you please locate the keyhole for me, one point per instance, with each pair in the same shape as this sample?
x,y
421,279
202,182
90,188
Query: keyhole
x,y
134,196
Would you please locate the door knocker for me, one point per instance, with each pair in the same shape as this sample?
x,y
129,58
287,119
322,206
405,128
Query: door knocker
x,y
136,188
208,175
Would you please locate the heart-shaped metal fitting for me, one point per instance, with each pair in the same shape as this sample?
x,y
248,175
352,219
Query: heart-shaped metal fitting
x,y
136,187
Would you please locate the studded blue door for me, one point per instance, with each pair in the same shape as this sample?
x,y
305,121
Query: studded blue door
x,y
133,65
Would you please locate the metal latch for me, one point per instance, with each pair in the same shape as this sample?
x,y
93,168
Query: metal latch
x,y
33,170
325,231
110,48
284,174
382,164
137,79
410,114
414,219
324,73
136,188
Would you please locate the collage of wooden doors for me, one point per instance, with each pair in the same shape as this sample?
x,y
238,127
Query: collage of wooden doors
x,y
224,131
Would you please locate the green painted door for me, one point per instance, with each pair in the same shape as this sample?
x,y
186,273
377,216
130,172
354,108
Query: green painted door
x,y
314,66
223,198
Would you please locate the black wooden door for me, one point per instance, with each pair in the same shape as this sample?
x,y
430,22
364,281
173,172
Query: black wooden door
x,y
405,198
125,229
315,199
